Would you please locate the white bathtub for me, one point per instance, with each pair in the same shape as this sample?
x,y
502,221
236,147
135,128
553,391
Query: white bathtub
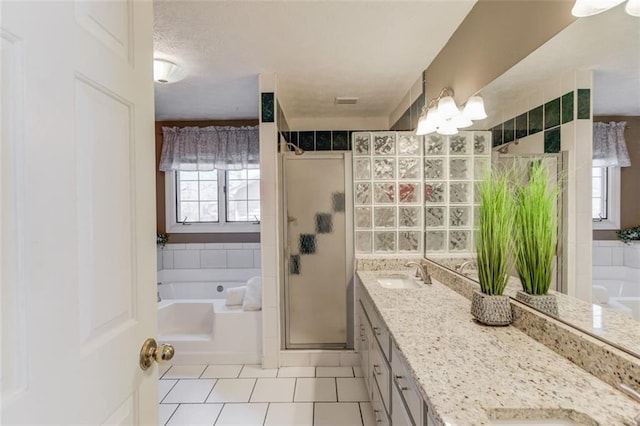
x,y
622,285
193,317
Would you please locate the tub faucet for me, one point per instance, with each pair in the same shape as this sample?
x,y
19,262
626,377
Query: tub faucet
x,y
421,271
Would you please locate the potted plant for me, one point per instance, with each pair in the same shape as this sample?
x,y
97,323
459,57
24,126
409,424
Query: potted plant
x,y
494,244
536,224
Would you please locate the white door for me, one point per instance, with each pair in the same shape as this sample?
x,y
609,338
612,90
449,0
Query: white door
x,y
78,220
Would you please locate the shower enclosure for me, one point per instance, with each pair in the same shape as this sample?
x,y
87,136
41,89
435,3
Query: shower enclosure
x,y
318,260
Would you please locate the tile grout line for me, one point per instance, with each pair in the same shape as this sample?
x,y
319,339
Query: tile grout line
x,y
172,414
168,392
211,390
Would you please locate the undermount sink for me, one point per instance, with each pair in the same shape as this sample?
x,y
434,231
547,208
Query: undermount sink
x,y
397,281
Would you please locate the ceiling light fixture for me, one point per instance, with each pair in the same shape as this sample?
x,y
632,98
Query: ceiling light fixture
x,y
165,72
442,115
585,8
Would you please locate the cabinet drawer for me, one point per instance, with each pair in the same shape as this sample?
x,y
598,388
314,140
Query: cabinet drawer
x,y
380,370
399,414
379,330
379,412
406,385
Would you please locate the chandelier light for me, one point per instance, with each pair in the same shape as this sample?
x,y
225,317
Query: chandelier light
x,y
442,115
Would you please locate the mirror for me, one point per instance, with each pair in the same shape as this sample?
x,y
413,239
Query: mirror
x,y
608,46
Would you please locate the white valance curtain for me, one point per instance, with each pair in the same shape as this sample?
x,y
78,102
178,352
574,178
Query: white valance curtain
x,y
208,148
609,146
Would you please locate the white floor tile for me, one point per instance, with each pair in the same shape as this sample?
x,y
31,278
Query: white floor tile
x,y
273,390
165,411
311,390
257,371
334,372
337,414
163,369
351,389
324,358
195,414
357,371
190,391
221,372
164,386
184,372
297,372
242,414
294,359
232,390
298,414
367,414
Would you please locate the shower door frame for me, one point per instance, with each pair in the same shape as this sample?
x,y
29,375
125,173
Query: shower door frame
x,y
346,157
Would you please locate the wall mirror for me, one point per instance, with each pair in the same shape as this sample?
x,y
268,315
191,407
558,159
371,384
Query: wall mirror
x,y
606,47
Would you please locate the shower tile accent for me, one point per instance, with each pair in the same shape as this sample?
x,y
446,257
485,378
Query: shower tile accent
x,y
496,135
384,241
584,104
307,244
337,202
408,217
434,192
267,107
434,217
384,143
306,141
521,126
384,192
324,223
552,113
387,190
384,168
434,144
384,217
535,120
323,141
552,140
409,241
434,168
408,168
294,264
567,107
363,217
340,140
509,129
363,169
459,240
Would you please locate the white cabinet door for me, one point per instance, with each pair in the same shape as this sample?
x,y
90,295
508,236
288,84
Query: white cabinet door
x,y
78,212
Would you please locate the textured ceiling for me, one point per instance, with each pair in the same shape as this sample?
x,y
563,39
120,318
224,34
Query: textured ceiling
x,y
373,50
608,44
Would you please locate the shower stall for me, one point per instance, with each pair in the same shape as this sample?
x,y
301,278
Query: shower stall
x,y
318,251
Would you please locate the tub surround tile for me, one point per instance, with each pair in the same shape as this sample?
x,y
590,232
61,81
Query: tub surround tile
x,y
184,372
240,259
186,259
189,391
533,376
213,258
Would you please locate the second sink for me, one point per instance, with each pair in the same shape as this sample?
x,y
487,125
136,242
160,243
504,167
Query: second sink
x,y
397,281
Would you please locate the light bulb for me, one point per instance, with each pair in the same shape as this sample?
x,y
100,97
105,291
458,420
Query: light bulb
x,y
584,8
447,108
432,121
474,109
447,128
461,122
422,128
633,7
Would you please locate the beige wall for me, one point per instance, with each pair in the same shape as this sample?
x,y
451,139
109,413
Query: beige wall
x,y
494,36
629,178
252,237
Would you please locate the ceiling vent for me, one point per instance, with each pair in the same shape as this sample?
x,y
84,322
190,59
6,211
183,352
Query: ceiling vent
x,y
345,100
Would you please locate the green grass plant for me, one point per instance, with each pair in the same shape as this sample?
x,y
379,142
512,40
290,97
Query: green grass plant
x,y
536,225
494,239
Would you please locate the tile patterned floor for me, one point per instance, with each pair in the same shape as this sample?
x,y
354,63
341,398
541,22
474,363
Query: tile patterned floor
x,y
248,395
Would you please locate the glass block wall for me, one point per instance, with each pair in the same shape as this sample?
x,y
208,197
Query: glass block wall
x,y
387,191
404,184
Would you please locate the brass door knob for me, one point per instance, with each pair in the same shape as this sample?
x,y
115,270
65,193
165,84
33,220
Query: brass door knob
x,y
151,351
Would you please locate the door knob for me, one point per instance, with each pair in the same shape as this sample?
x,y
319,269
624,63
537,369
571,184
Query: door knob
x,y
151,351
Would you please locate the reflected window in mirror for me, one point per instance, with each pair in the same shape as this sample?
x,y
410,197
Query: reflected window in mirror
x,y
605,197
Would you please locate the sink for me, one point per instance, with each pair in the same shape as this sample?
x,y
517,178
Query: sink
x,y
397,281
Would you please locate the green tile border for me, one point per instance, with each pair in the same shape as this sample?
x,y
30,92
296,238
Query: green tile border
x,y
552,141
584,104
552,113
567,107
536,120
267,107
522,123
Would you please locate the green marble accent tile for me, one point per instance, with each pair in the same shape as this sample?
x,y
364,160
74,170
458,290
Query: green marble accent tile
x,y
552,113
323,141
584,104
293,138
552,140
535,120
521,126
340,140
306,141
509,133
267,107
496,134
567,107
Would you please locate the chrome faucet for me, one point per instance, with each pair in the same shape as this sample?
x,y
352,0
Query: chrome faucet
x,y
464,265
421,271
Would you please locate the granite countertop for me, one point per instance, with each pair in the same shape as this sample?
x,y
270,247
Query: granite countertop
x,y
469,373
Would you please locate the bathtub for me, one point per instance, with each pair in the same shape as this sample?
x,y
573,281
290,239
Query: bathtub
x,y
622,287
193,317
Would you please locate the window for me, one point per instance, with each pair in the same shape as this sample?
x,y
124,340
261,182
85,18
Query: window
x,y
605,197
213,201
